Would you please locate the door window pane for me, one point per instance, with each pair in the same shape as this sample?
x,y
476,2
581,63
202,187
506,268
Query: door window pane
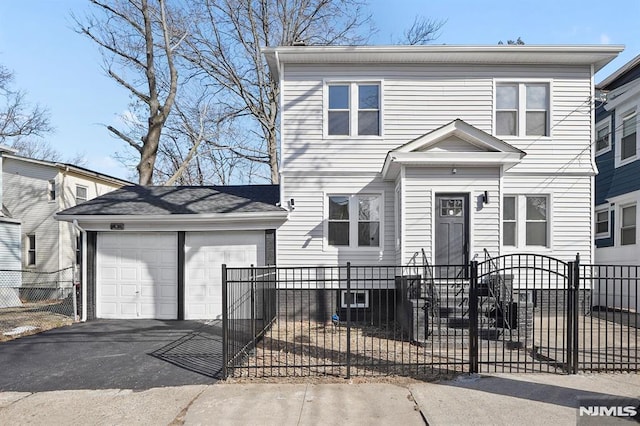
x,y
451,207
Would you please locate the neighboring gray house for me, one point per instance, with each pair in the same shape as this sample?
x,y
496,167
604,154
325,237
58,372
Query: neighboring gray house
x,y
385,151
10,249
32,192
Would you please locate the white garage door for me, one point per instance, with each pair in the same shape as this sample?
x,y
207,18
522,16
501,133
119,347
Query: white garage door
x,y
205,254
137,275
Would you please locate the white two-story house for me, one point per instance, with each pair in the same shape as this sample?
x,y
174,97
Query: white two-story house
x,y
386,151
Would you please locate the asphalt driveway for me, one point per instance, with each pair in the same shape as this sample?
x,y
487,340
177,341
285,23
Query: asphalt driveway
x,y
113,354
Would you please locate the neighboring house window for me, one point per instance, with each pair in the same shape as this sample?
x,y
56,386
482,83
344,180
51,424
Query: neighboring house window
x,y
525,221
602,222
509,221
81,194
51,185
628,141
354,220
354,299
628,226
522,109
603,138
353,109
31,250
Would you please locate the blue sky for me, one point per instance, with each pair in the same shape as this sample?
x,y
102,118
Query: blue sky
x,y
62,70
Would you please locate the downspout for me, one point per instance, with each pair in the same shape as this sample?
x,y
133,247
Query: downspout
x,y
84,269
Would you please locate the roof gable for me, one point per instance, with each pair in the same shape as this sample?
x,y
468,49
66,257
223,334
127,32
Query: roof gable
x,y
457,136
457,143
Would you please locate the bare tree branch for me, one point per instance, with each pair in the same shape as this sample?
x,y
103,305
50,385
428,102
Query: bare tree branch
x,y
422,31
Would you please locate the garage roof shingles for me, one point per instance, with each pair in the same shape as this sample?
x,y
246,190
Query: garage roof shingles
x,y
179,200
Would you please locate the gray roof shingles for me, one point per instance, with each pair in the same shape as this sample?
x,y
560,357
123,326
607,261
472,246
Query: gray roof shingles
x,y
181,200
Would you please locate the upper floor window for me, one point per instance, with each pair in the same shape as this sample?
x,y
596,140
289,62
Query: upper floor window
x,y
522,109
629,132
354,220
51,190
525,221
628,225
603,138
81,194
353,109
31,250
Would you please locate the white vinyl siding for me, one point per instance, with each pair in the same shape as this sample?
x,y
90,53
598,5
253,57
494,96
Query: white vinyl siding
x,y
301,239
570,223
417,99
421,185
10,247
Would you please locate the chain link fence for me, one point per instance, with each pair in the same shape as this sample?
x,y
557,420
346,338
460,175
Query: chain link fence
x,y
33,301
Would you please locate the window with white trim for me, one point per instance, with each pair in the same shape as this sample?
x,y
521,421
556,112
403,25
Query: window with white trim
x,y
81,194
354,299
354,220
522,109
353,109
31,250
509,223
525,221
628,142
602,222
603,137
628,225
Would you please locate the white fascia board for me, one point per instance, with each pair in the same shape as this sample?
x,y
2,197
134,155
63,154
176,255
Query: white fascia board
x,y
201,221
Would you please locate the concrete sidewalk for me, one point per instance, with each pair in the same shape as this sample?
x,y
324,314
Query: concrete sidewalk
x,y
496,399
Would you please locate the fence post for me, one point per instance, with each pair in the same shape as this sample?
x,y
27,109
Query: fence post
x,y
570,317
349,320
576,310
473,317
225,323
253,305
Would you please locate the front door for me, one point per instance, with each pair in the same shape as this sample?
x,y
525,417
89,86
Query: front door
x,y
451,229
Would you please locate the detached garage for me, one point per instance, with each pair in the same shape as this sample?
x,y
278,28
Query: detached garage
x,y
157,252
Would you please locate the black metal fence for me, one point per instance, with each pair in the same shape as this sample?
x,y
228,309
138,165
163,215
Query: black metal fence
x,y
515,313
34,301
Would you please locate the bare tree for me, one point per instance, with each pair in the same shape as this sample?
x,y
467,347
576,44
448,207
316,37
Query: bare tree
x,y
224,49
138,40
19,120
422,31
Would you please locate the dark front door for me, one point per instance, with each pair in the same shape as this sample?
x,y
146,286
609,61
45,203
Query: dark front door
x,y
451,229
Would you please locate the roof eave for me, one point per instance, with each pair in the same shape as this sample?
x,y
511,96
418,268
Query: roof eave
x,y
168,218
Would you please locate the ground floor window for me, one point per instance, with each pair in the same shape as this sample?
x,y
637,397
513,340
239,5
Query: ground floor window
x,y
354,220
31,250
525,220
